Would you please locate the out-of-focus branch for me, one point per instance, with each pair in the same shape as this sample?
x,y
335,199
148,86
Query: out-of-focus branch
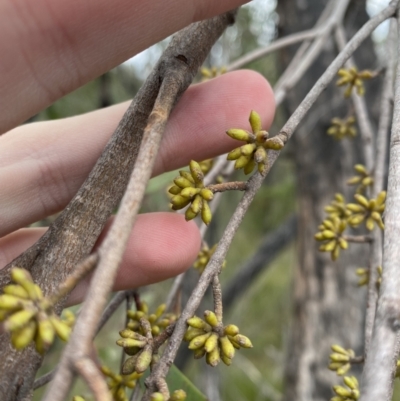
x,y
269,249
360,107
312,53
161,369
274,46
378,374
379,174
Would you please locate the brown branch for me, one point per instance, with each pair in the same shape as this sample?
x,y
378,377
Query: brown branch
x,y
217,296
358,239
228,186
178,66
379,174
94,379
215,263
378,373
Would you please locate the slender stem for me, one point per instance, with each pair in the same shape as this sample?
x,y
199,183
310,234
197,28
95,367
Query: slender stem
x,y
228,186
274,46
94,379
217,295
360,107
84,268
358,239
378,373
379,175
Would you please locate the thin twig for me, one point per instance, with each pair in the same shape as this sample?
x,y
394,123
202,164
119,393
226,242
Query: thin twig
x,y
184,57
312,53
217,296
228,186
378,373
215,263
274,46
358,239
379,175
360,107
94,379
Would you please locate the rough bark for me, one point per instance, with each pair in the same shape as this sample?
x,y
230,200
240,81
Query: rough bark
x,y
327,306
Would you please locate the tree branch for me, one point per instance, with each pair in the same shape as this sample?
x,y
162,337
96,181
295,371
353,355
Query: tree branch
x,y
377,379
178,67
215,263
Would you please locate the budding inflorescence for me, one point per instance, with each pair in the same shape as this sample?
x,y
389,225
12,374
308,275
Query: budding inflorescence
x,y
204,256
353,78
340,359
158,320
330,233
363,179
177,395
348,393
337,208
138,339
118,384
255,151
210,338
189,188
341,128
368,210
28,315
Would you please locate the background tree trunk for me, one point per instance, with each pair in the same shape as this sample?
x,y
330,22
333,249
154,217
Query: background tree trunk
x,y
328,307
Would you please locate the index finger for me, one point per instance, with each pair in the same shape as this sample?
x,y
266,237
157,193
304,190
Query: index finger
x,y
50,48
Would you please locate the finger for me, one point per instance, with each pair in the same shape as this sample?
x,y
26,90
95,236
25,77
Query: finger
x,y
161,245
42,165
49,48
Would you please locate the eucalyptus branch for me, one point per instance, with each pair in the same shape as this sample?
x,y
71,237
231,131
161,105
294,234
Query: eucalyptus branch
x,y
94,379
378,175
358,239
217,295
377,378
228,186
274,46
312,53
215,263
360,107
177,67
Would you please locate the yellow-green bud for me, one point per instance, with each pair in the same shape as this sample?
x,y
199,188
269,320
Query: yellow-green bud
x,y
239,134
211,318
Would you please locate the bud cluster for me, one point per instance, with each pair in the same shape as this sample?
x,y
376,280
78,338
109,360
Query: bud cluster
x,y
210,338
189,189
368,210
330,233
138,339
340,128
158,320
363,179
28,315
340,359
204,256
337,208
255,150
348,393
353,78
177,395
117,384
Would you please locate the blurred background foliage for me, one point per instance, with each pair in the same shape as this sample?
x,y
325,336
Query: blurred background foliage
x,y
263,313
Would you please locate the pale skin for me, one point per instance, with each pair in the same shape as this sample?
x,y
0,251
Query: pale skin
x,y
51,47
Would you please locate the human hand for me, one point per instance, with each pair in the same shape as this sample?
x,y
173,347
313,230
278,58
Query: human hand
x,y
54,47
